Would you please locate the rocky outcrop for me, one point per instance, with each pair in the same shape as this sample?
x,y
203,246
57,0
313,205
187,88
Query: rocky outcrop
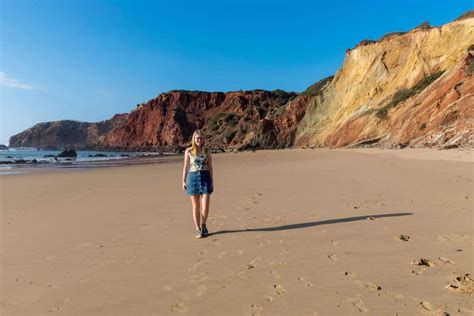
x,y
231,120
65,134
410,88
70,153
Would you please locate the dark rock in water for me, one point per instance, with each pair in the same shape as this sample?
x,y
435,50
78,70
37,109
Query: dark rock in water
x,y
98,155
49,156
19,161
68,153
8,157
124,155
3,147
34,161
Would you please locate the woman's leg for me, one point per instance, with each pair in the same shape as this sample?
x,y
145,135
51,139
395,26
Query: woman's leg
x,y
196,210
206,199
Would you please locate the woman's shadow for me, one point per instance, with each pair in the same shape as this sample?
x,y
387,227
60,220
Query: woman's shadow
x,y
310,224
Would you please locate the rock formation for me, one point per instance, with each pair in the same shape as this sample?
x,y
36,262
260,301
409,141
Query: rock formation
x,y
410,88
64,134
407,89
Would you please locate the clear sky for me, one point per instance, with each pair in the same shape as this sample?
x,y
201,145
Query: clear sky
x,y
87,60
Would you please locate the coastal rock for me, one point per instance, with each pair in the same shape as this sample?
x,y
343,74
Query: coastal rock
x,y
68,153
3,147
65,134
413,89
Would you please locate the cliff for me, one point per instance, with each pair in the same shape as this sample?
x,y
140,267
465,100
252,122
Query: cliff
x,y
65,134
250,119
407,89
410,88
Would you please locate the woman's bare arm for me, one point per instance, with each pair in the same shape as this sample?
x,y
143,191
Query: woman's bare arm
x,y
186,166
209,165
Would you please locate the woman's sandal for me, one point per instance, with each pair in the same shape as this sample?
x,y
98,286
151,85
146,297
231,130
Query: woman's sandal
x,y
200,234
204,230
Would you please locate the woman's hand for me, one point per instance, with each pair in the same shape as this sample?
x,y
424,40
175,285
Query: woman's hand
x,y
184,186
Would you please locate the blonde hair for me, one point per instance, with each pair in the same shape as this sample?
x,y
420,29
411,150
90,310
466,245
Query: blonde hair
x,y
194,146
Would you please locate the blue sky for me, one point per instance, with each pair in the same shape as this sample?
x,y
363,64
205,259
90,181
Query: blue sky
x,y
87,60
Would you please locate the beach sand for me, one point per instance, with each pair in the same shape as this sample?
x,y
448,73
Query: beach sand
x,y
293,232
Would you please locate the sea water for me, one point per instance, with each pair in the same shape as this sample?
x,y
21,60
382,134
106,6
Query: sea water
x,y
13,154
84,158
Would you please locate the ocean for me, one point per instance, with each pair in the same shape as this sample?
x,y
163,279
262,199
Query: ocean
x,y
46,158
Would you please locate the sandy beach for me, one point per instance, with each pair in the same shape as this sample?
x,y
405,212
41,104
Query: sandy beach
x,y
293,232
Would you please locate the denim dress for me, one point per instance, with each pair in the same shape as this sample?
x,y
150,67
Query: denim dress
x,y
199,178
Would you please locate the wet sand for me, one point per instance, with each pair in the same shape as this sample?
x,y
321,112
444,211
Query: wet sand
x,y
307,232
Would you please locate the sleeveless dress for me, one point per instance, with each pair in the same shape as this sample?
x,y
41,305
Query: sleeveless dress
x,y
199,178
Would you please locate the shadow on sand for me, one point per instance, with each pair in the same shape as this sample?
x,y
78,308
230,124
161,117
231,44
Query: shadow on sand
x,y
308,224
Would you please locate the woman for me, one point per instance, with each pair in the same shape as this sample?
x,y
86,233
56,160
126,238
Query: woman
x,y
197,171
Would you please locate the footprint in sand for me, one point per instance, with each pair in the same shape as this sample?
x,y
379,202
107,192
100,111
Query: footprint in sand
x,y
201,289
453,237
256,309
351,274
373,287
404,237
279,289
429,307
359,304
179,307
303,281
264,244
332,257
60,305
196,265
423,262
268,298
241,274
199,277
280,262
418,271
253,263
368,285
462,284
446,260
216,242
275,274
239,252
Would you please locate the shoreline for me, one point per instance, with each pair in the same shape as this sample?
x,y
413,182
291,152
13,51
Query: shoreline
x,y
461,155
